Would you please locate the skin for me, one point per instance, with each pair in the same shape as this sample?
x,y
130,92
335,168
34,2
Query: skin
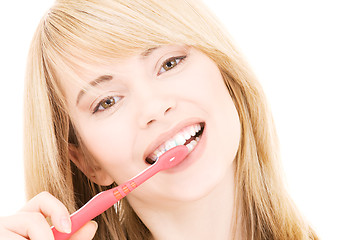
x,y
148,105
149,101
30,222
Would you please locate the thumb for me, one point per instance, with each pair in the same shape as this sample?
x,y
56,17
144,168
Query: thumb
x,y
85,232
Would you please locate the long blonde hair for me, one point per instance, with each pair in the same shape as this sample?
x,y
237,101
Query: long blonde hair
x,y
77,31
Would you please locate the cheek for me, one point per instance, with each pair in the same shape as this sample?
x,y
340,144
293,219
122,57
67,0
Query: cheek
x,y
205,84
109,142
224,118
227,123
209,90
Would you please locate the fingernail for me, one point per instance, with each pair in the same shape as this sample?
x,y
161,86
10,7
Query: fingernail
x,y
95,224
66,224
96,227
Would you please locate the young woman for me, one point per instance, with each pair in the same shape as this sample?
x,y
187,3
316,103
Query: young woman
x,y
110,86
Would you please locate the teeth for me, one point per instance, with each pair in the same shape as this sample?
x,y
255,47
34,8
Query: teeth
x,y
191,145
159,154
153,156
187,135
162,148
192,131
179,139
170,144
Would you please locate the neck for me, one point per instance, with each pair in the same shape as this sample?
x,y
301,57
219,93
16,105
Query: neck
x,y
209,217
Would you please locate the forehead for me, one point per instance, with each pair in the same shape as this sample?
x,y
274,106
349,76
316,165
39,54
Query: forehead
x,y
87,75
84,68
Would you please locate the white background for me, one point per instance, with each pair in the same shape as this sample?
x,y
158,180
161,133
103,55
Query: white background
x,y
306,55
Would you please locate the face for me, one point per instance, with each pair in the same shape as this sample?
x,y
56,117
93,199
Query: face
x,y
142,104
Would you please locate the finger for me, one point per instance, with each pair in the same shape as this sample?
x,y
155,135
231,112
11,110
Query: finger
x,y
49,206
8,235
28,225
85,232
11,236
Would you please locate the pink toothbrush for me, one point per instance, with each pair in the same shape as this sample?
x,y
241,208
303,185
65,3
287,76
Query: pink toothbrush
x,y
104,200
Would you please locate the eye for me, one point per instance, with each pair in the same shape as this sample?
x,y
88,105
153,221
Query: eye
x,y
106,103
171,63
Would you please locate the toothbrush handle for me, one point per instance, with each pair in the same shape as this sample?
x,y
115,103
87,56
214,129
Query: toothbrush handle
x,y
101,202
104,200
94,207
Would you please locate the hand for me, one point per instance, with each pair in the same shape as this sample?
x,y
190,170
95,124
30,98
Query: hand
x,y
30,222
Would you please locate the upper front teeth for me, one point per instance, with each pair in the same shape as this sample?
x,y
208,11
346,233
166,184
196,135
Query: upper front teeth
x,y
179,139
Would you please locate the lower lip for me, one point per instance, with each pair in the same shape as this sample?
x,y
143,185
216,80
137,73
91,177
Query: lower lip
x,y
192,156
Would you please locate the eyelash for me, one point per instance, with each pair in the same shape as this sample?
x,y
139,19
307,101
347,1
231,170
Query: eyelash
x,y
178,60
98,105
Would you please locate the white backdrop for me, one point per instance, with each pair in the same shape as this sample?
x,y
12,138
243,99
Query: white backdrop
x,y
307,57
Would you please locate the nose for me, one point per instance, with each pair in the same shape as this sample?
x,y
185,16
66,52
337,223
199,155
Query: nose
x,y
153,108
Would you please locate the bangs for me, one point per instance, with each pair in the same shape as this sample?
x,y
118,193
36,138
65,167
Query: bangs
x,y
104,30
78,34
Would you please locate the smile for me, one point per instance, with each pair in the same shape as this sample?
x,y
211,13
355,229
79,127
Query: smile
x,y
189,136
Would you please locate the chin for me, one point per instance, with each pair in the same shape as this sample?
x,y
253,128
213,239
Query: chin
x,y
201,186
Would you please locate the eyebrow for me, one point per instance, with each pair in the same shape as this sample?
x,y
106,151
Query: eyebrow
x,y
93,83
105,78
148,51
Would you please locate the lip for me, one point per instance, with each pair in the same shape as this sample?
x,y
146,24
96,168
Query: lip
x,y
168,134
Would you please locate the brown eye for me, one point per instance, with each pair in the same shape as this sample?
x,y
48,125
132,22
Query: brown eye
x,y
170,63
106,103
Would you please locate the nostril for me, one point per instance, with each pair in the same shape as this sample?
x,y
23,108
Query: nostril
x,y
167,109
151,121
157,115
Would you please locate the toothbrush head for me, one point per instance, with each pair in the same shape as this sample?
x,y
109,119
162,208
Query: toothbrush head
x,y
172,157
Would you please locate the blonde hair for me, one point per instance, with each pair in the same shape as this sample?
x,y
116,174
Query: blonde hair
x,y
74,32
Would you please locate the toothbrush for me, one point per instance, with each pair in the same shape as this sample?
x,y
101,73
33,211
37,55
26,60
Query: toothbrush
x,y
106,199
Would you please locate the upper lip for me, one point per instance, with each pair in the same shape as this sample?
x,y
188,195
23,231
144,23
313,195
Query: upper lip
x,y
168,134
